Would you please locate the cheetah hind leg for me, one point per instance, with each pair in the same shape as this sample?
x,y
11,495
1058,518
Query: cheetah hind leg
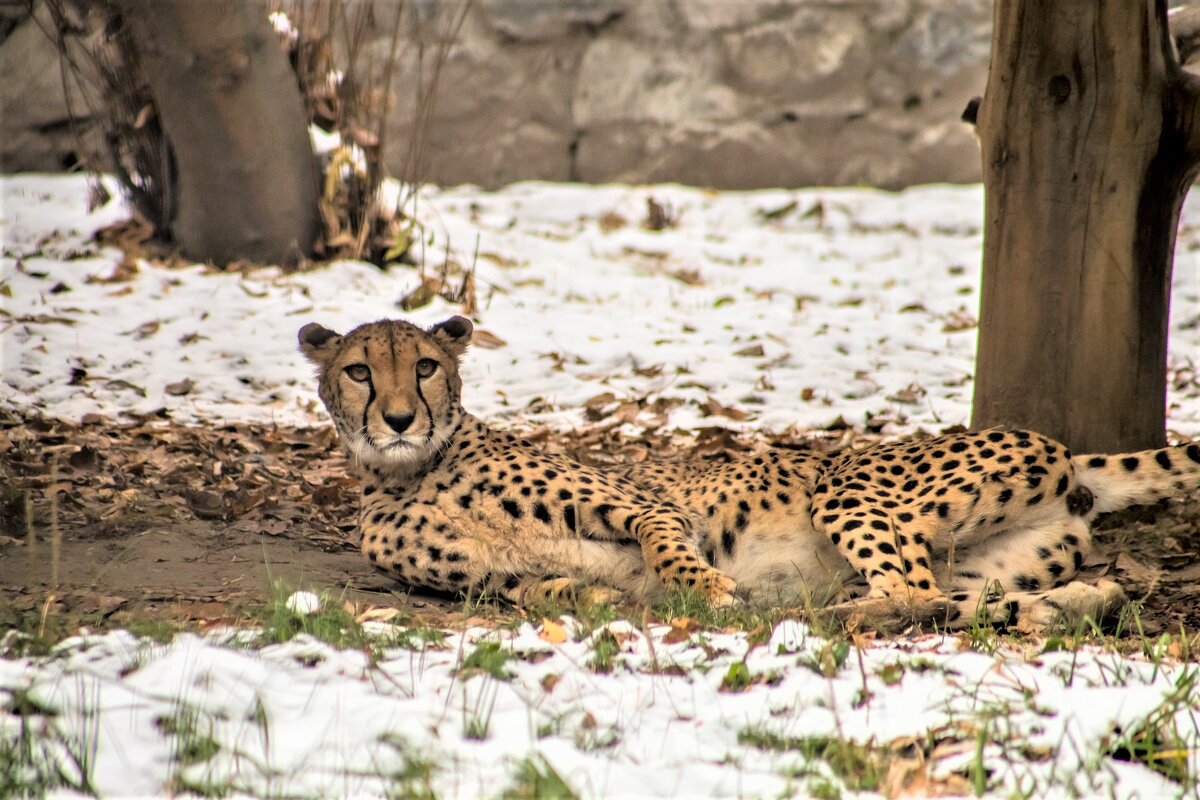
x,y
533,591
890,551
891,615
1065,608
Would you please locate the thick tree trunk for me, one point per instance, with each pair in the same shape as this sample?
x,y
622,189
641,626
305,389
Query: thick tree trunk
x,y
246,178
1088,149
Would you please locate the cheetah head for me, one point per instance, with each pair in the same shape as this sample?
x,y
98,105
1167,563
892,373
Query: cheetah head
x,y
392,389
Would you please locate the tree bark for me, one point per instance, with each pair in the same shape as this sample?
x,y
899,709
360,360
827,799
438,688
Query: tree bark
x,y
246,179
1089,144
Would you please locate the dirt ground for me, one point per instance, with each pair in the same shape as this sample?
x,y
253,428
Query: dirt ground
x,y
195,523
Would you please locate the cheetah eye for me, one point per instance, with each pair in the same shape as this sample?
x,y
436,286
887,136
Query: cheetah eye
x,y
426,367
358,372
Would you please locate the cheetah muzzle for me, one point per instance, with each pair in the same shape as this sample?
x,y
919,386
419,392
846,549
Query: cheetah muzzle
x,y
994,523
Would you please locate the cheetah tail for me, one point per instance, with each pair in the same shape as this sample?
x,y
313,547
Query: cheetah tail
x,y
1127,479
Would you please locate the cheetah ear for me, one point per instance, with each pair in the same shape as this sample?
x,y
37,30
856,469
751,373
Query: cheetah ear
x,y
318,343
453,335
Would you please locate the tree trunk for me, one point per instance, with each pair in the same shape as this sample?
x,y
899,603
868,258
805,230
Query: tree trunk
x,y
1089,147
246,179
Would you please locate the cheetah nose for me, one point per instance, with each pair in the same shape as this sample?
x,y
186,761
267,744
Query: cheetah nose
x,y
398,422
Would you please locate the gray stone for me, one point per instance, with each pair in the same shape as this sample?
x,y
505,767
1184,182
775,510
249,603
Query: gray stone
x,y
946,36
738,156
812,56
35,126
723,93
544,20
950,150
720,15
620,80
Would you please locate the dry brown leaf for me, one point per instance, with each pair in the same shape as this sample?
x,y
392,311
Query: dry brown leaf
x,y
429,288
611,221
681,631
599,400
180,388
145,330
1138,572
552,631
959,321
487,340
910,395
119,383
714,408
377,614
659,216
691,277
753,351
98,603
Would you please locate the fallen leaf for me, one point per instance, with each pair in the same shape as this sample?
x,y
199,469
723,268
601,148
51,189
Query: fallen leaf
x,y
659,216
1138,572
145,330
910,394
753,351
181,388
97,603
552,632
681,630
691,277
206,505
487,340
258,294
611,221
378,614
779,212
714,408
429,288
652,371
126,385
83,458
959,321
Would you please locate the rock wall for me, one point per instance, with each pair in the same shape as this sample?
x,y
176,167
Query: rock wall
x,y
732,94
36,131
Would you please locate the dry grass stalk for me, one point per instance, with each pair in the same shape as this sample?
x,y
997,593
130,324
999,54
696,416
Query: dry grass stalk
x,y
100,69
327,47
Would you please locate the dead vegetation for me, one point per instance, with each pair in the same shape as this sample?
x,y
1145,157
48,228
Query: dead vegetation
x,y
347,90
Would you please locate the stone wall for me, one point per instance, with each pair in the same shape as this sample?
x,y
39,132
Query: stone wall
x,y
723,93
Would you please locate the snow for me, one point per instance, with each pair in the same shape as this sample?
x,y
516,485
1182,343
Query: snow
x,y
862,302
304,719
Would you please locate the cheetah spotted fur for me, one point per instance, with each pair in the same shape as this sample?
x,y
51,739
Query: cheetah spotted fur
x,y
449,504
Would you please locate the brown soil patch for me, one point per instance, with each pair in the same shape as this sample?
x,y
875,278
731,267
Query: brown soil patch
x,y
195,523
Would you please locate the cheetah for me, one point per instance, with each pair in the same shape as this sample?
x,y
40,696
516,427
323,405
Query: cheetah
x,y
996,521
451,505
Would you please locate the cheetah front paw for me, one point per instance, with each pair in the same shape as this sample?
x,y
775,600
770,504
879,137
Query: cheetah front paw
x,y
906,593
717,587
600,595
